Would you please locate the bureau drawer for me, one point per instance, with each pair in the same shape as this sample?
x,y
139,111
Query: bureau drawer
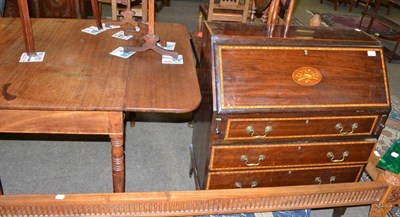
x,y
299,127
283,177
290,155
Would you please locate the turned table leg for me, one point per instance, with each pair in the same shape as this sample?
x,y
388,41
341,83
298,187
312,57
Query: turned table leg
x,y
118,162
116,127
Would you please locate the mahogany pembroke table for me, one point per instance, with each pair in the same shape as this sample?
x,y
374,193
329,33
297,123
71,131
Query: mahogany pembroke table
x,y
80,88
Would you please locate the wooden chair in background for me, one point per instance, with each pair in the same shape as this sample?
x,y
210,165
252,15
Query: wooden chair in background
x,y
120,5
391,3
393,37
223,10
336,3
113,13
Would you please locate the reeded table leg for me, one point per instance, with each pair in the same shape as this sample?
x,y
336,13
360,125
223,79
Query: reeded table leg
x,y
116,128
118,162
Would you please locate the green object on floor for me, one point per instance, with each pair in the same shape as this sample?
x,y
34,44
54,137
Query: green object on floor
x,y
391,159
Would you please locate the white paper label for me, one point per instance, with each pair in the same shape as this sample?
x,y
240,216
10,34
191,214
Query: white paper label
x,y
395,154
60,197
371,53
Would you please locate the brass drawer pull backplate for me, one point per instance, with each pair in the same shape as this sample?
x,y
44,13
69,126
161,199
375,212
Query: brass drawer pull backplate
x,y
250,132
239,184
245,159
318,180
340,128
331,156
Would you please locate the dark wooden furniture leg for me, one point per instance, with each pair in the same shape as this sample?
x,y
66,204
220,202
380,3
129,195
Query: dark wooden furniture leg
x,y
96,13
1,188
131,118
26,27
391,53
339,211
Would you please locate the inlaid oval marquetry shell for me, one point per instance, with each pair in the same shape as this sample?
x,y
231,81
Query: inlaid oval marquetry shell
x,y
307,76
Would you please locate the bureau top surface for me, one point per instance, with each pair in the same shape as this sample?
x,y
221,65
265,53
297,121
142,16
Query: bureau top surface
x,y
228,33
78,73
262,75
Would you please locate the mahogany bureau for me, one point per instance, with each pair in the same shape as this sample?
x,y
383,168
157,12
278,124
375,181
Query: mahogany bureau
x,y
300,108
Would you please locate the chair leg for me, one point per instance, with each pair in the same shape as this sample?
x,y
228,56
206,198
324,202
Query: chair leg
x,y
362,18
1,188
352,3
370,24
367,4
394,52
388,7
335,4
114,10
339,211
199,21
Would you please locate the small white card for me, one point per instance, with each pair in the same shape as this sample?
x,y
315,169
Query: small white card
x,y
170,45
170,60
122,35
110,26
120,52
37,57
93,30
371,53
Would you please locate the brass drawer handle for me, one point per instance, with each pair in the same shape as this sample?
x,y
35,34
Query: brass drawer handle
x,y
318,180
245,159
250,132
331,156
340,128
239,184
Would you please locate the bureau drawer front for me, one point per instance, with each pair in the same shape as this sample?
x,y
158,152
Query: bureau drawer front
x,y
289,155
284,177
302,127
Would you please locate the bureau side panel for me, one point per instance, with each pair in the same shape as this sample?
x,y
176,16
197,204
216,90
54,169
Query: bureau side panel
x,y
201,138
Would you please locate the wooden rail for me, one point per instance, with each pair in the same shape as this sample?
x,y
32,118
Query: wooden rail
x,y
382,194
184,203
